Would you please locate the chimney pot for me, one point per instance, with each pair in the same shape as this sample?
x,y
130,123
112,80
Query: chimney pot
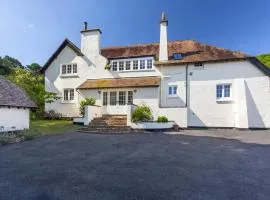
x,y
85,26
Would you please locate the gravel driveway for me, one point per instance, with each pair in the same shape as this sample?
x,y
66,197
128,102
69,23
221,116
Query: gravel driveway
x,y
138,166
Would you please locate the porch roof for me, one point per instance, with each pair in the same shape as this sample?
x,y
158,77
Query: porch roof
x,y
147,81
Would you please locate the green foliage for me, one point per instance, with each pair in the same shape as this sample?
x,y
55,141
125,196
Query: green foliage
x,y
33,84
7,64
52,115
4,140
162,119
142,113
27,135
265,59
34,67
86,102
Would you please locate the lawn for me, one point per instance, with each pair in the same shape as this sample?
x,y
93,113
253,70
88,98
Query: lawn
x,y
46,127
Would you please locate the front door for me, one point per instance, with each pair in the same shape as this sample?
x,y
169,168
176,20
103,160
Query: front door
x,y
115,102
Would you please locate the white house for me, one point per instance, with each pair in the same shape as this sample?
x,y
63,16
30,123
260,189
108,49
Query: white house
x,y
14,107
193,84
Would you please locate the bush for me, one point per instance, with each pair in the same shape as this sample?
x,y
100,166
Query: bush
x,y
27,135
4,140
162,119
51,114
86,102
142,113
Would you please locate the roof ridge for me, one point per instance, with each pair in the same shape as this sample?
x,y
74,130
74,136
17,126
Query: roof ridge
x,y
142,44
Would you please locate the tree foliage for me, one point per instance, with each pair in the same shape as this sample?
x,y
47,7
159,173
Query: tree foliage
x,y
265,59
34,67
86,102
7,64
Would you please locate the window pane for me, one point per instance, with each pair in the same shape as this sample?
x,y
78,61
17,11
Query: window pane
x,y
170,90
219,91
142,64
113,98
64,67
105,98
130,97
175,90
114,68
227,90
122,98
69,69
149,64
71,97
66,95
75,68
121,66
135,64
127,65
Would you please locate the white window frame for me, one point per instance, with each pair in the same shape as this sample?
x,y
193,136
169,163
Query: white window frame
x,y
148,63
69,92
223,98
72,67
172,94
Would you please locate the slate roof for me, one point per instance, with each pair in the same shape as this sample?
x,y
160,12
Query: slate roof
x,y
148,81
14,96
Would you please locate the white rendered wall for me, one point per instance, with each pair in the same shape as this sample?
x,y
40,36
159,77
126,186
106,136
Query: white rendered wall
x,y
18,117
163,50
249,85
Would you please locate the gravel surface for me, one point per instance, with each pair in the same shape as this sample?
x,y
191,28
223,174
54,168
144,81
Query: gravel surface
x,y
134,166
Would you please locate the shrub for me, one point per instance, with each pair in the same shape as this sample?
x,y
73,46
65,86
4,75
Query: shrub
x,y
4,140
162,119
86,102
142,113
51,114
27,135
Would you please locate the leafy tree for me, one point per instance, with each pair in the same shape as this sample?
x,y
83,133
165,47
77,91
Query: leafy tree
x,y
34,67
34,86
7,64
265,59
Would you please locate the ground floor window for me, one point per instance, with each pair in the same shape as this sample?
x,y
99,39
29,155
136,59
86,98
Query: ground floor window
x,y
117,97
172,90
68,94
223,91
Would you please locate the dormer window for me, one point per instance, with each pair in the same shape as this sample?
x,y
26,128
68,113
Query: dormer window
x,y
177,56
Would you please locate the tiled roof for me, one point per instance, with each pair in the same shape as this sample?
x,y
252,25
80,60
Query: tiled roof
x,y
14,96
192,51
148,81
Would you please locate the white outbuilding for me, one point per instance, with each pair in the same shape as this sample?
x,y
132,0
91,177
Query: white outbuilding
x,y
15,107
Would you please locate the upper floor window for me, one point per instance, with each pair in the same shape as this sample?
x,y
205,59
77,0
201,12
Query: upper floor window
x,y
68,94
172,90
135,64
121,65
177,56
142,64
127,65
149,64
223,91
114,66
69,69
132,64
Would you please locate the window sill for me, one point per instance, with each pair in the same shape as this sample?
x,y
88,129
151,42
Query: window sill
x,y
142,70
69,76
224,100
68,102
172,97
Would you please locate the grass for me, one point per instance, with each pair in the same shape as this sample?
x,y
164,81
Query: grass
x,y
47,127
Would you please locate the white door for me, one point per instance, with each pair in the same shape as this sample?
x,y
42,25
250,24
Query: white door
x,y
115,102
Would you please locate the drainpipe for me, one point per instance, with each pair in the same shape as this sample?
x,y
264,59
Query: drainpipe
x,y
187,85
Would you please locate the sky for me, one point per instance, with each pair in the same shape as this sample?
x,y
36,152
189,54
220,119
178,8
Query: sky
x,y
31,30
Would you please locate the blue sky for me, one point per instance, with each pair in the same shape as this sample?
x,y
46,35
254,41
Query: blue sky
x,y
31,30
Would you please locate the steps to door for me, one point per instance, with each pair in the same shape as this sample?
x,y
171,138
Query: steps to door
x,y
108,124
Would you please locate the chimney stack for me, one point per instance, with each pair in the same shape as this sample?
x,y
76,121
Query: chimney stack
x,y
163,43
90,42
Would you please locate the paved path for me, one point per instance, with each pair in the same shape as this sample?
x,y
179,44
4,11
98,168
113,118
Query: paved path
x,y
139,166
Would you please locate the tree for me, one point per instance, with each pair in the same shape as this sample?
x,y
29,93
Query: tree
x,y
265,59
34,86
7,64
34,67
